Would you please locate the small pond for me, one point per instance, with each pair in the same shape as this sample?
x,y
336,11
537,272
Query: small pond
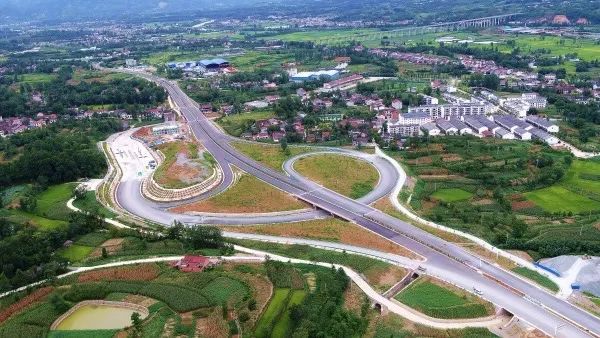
x,y
98,317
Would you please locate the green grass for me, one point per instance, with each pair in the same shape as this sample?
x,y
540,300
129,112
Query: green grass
x,y
253,60
346,175
359,263
270,155
76,253
439,302
284,324
558,199
82,333
224,289
277,302
237,124
37,78
536,277
20,216
52,202
93,239
451,195
91,204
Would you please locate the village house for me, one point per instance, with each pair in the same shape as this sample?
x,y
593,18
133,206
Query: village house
x,y
190,263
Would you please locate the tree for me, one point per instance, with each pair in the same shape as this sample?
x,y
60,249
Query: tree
x,y
58,303
199,237
104,253
136,322
176,230
284,144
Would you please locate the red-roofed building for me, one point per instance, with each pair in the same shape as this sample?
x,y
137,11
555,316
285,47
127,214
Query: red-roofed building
x,y
191,263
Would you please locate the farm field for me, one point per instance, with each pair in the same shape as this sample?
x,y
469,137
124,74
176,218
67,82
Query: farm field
x,y
442,301
577,192
52,203
269,154
76,253
277,302
236,199
392,326
348,176
330,229
167,293
237,124
514,202
536,277
37,78
451,195
22,217
284,324
559,199
380,275
161,58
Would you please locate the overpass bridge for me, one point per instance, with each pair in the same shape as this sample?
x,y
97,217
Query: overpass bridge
x,y
484,22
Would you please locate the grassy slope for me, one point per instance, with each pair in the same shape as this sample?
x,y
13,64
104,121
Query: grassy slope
x,y
52,203
346,175
439,302
248,195
536,277
270,155
237,124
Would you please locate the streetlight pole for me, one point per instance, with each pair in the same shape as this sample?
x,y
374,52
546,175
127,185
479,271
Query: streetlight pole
x,y
557,327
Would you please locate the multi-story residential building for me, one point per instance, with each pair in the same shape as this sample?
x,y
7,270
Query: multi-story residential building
x,y
450,110
535,101
426,99
516,106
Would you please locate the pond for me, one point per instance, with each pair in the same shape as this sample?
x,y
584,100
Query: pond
x,y
98,317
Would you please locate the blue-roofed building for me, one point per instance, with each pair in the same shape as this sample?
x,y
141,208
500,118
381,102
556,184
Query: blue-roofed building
x,y
213,63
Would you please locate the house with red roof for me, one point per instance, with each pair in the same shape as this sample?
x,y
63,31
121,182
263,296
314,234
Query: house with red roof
x,y
191,263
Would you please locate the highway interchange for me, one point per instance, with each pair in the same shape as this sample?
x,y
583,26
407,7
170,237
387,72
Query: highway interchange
x,y
528,302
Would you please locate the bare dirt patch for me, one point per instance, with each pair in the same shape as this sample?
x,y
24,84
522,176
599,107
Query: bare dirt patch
x,y
142,272
353,298
521,254
140,300
385,277
212,326
111,246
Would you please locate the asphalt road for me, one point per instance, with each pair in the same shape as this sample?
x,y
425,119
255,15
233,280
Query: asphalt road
x,y
538,307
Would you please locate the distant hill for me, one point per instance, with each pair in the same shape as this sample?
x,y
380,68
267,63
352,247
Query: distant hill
x,y
117,9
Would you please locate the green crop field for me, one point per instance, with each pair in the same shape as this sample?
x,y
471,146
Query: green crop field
x,y
76,253
22,217
283,325
451,195
36,78
52,203
536,277
559,199
276,304
223,289
439,302
578,191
